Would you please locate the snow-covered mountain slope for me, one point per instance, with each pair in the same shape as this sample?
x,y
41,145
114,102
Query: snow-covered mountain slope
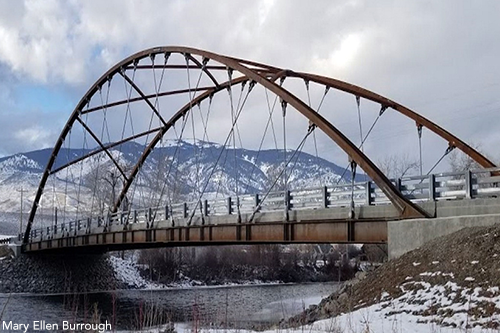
x,y
238,171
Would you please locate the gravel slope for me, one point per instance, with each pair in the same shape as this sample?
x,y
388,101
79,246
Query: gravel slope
x,y
451,281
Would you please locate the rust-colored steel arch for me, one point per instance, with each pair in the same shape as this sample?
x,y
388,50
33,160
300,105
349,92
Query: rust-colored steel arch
x,y
404,206
265,76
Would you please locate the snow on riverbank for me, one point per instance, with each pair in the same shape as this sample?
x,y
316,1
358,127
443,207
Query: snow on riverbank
x,y
408,314
128,271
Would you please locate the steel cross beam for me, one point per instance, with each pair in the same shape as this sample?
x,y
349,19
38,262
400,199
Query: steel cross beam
x,y
92,134
179,114
143,96
105,148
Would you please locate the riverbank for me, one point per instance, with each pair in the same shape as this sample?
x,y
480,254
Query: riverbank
x,y
57,274
89,273
451,284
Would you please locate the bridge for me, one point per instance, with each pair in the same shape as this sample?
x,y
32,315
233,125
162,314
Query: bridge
x,y
98,195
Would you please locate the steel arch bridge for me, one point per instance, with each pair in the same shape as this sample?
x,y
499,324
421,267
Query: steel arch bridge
x,y
155,97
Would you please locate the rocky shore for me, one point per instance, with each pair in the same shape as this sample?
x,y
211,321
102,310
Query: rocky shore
x,y
56,274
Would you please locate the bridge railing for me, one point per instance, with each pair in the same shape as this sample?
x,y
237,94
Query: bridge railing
x,y
442,186
4,241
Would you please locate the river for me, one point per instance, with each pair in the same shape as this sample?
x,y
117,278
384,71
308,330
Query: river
x,y
248,306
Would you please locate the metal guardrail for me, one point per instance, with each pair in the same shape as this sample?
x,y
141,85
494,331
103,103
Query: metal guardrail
x,y
443,186
4,241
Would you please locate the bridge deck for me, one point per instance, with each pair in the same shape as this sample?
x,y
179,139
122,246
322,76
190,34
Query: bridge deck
x,y
323,220
281,232
319,226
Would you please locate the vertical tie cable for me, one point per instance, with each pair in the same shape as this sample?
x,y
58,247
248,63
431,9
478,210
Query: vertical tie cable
x,y
353,175
419,131
285,180
358,102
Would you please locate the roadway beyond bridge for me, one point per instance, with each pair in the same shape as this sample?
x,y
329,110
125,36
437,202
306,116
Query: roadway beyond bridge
x,y
101,196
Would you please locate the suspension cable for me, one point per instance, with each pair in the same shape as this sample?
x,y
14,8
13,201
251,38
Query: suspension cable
x,y
299,148
383,108
285,180
269,122
353,175
128,115
193,129
176,153
179,138
306,83
448,150
419,132
271,110
153,191
67,173
84,145
238,113
358,102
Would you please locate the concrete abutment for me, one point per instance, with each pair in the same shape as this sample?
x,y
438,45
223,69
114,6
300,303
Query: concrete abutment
x,y
407,235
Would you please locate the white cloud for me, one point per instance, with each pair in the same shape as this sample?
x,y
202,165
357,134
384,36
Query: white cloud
x,y
33,135
416,53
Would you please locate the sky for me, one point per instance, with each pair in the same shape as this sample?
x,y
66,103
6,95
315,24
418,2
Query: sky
x,y
440,58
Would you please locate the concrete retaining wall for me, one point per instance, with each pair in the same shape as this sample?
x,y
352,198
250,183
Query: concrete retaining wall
x,y
407,235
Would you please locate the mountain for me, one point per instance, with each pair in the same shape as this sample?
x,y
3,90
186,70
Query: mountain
x,y
238,171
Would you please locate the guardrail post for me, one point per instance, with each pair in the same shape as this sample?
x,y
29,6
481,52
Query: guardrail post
x,y
468,184
185,210
286,208
256,199
288,200
166,212
326,202
205,207
229,204
368,194
170,211
432,187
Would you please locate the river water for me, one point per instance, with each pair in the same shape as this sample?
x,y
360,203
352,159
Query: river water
x,y
235,306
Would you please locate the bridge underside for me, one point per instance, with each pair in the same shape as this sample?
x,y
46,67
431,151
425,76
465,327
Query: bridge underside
x,y
131,237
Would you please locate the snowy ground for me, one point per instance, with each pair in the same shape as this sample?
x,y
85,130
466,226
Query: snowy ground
x,y
372,319
409,313
128,271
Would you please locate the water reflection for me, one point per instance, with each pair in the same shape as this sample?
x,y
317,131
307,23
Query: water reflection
x,y
237,306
